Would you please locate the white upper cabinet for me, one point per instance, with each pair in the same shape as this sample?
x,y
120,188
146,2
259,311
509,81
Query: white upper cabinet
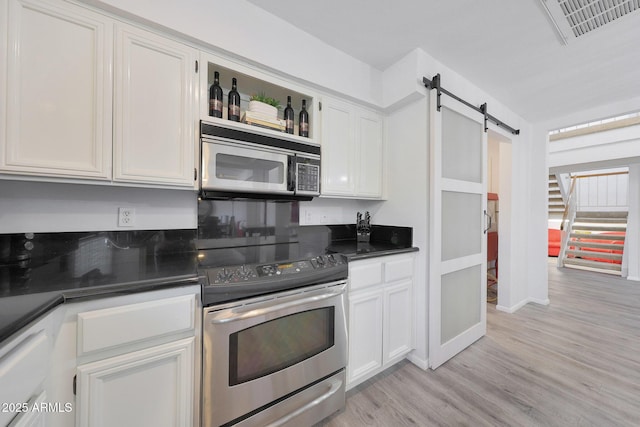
x,y
58,91
338,148
352,151
91,98
370,156
155,109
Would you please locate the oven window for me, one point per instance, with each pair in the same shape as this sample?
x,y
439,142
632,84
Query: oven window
x,y
249,169
275,345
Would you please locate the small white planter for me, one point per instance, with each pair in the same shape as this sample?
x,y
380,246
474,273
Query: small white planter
x,y
264,109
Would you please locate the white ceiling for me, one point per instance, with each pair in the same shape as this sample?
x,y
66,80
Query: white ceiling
x,y
508,48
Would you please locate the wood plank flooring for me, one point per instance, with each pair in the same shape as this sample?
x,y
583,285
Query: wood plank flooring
x,y
575,362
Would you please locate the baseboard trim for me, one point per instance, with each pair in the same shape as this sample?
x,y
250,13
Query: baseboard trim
x,y
539,301
634,278
521,304
418,361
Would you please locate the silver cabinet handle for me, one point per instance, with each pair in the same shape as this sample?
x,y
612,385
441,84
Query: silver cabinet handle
x,y
335,386
248,312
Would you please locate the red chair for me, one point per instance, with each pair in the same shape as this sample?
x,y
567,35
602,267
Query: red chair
x,y
555,236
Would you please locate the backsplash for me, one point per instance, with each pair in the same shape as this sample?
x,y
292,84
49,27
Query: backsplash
x,y
43,207
32,262
322,211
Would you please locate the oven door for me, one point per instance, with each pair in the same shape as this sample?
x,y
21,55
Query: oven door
x,y
258,353
244,168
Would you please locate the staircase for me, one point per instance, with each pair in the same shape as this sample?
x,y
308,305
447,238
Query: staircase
x,y
596,241
556,204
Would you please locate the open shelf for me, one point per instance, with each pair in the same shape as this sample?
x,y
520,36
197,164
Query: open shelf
x,y
250,82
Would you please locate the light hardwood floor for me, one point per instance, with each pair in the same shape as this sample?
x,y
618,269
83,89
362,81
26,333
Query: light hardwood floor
x,y
575,362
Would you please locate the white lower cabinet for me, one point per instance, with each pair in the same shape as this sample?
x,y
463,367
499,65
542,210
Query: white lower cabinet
x,y
365,334
150,387
33,418
136,363
24,363
380,314
129,360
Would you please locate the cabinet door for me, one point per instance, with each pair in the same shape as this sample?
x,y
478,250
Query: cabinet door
x,y
23,370
35,418
154,109
338,148
370,151
365,334
152,387
398,321
58,91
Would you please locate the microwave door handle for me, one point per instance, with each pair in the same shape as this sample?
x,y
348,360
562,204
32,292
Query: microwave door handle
x,y
335,386
244,313
292,180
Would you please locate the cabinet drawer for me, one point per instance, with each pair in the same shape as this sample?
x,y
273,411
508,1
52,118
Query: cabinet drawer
x,y
112,327
398,269
362,275
23,370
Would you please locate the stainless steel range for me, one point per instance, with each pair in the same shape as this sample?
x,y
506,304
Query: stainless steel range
x,y
274,320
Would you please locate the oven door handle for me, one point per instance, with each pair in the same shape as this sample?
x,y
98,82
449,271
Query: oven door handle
x,y
247,312
335,386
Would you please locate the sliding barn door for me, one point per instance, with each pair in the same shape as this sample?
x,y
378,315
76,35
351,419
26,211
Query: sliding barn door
x,y
457,260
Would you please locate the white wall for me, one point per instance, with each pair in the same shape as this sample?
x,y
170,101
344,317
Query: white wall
x,y
42,207
595,151
323,210
408,204
505,229
632,243
241,29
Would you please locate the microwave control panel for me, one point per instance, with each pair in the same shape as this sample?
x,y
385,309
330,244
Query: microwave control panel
x,y
307,175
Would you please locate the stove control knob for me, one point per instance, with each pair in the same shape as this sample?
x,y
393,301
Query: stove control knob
x,y
243,272
224,275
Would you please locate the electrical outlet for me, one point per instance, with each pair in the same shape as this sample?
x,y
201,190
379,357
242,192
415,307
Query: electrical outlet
x,y
308,215
126,217
324,219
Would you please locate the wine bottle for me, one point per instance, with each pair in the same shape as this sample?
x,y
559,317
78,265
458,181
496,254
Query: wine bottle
x,y
288,116
303,123
215,97
233,108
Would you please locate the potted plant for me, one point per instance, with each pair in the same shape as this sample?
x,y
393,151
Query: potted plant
x,y
264,104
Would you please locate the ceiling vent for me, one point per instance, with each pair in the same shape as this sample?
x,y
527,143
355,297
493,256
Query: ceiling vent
x,y
575,18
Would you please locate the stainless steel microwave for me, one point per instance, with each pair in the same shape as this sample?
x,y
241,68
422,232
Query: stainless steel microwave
x,y
242,164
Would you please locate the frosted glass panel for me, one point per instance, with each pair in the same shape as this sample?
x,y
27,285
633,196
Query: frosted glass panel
x,y
461,147
461,224
460,302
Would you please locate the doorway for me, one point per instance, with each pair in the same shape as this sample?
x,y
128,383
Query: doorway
x,y
499,183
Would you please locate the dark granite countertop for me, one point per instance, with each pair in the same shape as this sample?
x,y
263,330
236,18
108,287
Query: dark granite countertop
x,y
384,240
62,267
